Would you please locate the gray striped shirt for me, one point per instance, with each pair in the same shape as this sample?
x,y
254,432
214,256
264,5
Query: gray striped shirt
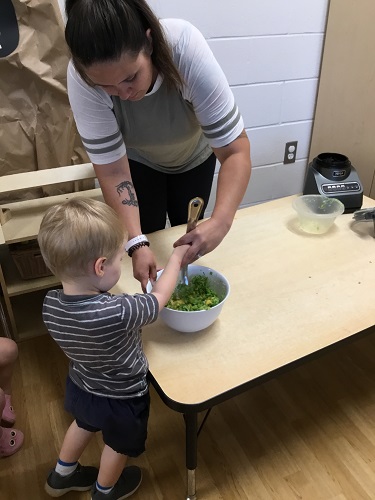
x,y
101,335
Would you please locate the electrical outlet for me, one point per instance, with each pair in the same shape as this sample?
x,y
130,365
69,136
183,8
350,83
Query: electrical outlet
x,y
290,152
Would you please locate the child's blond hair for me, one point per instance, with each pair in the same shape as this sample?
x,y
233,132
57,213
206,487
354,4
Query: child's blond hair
x,y
76,233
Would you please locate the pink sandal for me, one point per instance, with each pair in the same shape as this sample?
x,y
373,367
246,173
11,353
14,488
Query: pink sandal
x,y
8,416
10,441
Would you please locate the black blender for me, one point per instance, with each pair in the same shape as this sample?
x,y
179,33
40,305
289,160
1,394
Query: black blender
x,y
334,176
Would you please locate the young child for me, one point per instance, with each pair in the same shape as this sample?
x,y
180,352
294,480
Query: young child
x,y
10,439
82,242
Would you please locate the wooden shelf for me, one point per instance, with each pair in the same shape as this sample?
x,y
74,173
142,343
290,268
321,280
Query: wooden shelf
x,y
26,217
28,313
20,221
17,285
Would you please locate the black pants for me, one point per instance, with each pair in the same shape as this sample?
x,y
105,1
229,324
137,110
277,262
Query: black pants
x,y
160,194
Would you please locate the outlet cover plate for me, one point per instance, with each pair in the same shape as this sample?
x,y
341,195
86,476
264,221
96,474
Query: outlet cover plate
x,y
290,152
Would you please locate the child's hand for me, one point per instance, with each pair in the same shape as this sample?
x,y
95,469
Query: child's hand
x,y
165,285
180,251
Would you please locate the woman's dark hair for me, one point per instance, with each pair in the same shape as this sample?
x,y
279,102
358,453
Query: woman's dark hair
x,y
102,30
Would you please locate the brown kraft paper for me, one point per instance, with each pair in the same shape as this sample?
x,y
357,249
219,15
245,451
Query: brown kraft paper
x,y
37,129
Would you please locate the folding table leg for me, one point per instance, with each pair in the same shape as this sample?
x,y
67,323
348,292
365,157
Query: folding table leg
x,y
191,423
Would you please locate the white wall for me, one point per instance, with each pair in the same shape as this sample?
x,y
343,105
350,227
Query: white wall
x,y
270,51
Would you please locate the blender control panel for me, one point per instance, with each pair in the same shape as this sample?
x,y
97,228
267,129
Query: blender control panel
x,y
341,187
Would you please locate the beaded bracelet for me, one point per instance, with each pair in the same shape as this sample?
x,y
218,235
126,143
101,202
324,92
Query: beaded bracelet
x,y
138,245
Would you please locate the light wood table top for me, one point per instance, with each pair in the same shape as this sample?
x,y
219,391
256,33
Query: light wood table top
x,y
292,294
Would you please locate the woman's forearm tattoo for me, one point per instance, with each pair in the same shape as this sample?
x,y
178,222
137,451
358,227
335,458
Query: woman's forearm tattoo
x,y
132,200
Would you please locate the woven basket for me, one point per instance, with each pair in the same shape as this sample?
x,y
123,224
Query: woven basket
x,y
29,260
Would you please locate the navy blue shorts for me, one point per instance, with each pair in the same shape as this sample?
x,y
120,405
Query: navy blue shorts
x,y
123,422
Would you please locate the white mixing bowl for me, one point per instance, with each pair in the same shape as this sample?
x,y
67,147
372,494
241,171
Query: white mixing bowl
x,y
194,321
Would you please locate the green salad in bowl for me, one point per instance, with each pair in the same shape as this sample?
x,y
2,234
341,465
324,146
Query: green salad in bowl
x,y
196,296
196,306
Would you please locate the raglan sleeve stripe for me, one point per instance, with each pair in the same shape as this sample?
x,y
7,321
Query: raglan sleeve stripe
x,y
234,111
207,88
96,122
102,140
101,151
223,126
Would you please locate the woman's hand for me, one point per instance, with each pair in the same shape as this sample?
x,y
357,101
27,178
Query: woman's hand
x,y
203,239
144,266
232,182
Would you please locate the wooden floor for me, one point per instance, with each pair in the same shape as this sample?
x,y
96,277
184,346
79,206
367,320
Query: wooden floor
x,y
309,434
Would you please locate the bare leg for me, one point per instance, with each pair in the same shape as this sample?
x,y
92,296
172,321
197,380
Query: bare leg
x,y
111,466
75,441
8,357
81,478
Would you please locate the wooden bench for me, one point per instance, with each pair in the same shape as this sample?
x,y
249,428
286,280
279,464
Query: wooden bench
x,y
20,221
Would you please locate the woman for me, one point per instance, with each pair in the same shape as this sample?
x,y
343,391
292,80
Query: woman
x,y
154,111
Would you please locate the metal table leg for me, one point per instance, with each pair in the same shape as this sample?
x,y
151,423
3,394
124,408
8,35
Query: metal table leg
x,y
191,423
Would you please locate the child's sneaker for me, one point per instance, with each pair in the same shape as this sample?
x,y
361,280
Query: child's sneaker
x,y
128,483
80,479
